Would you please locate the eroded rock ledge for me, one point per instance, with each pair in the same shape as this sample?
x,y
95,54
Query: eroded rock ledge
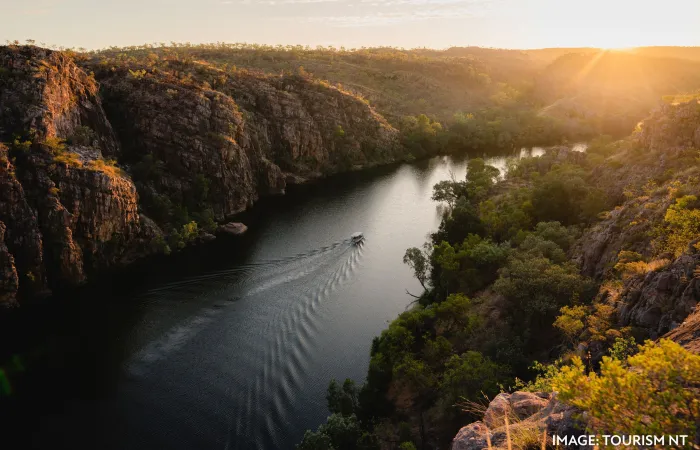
x,y
529,415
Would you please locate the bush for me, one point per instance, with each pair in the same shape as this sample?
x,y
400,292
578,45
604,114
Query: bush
x,y
655,392
682,224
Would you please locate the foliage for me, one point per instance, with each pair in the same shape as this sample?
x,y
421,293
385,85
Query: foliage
x,y
82,135
342,400
682,224
661,383
623,348
469,266
546,373
418,259
106,166
571,322
505,216
557,195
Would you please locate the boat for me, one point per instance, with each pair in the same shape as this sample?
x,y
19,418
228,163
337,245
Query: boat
x,y
357,238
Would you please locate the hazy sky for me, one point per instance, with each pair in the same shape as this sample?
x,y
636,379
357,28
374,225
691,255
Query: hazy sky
x,y
355,23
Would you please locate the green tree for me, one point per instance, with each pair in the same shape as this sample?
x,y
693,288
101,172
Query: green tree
x,y
342,400
418,259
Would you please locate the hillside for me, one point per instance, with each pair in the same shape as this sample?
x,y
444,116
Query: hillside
x,y
613,90
576,274
396,82
587,91
95,176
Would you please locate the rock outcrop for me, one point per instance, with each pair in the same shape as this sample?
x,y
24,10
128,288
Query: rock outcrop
x,y
529,415
66,211
672,126
233,228
235,135
688,333
85,187
9,282
661,300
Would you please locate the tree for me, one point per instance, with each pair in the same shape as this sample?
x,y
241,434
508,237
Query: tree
x,y
570,322
342,400
419,261
448,191
315,441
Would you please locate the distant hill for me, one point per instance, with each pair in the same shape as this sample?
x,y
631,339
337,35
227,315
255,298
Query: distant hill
x,y
396,82
616,88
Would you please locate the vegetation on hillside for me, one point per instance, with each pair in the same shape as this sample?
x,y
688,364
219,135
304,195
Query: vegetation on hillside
x,y
504,291
463,98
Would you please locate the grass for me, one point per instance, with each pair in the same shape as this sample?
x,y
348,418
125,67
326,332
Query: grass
x,y
520,433
106,166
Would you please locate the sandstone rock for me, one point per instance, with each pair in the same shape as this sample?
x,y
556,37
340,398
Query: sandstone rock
x,y
233,228
248,138
496,411
67,213
518,406
688,333
530,415
190,149
471,437
660,299
207,237
525,404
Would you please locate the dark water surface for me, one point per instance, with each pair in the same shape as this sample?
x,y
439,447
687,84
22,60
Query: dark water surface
x,y
230,345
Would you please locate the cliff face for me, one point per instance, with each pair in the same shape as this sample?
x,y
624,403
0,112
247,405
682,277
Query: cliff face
x,y
192,143
66,212
658,167
240,135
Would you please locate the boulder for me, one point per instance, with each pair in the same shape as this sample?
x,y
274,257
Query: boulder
x,y
233,228
471,437
518,406
530,414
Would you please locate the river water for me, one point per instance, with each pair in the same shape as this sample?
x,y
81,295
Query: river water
x,y
230,345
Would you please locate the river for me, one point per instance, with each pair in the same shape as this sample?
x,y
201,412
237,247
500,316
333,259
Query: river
x,y
230,345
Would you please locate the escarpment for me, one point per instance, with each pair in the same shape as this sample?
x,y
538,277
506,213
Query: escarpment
x,y
216,141
94,176
67,212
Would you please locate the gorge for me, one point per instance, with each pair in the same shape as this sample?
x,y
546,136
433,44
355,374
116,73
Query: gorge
x,y
129,321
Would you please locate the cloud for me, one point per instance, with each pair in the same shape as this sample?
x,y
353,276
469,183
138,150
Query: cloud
x,y
375,12
391,18
377,3
276,2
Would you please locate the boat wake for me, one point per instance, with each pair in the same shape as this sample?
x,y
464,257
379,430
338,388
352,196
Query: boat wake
x,y
277,306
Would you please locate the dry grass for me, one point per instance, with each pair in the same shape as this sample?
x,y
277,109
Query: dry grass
x,y
631,269
68,158
520,434
107,167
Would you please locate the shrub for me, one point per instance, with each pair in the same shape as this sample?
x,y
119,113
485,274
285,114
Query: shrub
x,y
657,391
682,222
82,135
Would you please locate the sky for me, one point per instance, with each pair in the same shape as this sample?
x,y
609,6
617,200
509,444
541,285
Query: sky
x,y
95,24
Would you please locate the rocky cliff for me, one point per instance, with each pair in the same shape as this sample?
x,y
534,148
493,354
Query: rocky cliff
x,y
94,175
204,138
66,212
650,171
